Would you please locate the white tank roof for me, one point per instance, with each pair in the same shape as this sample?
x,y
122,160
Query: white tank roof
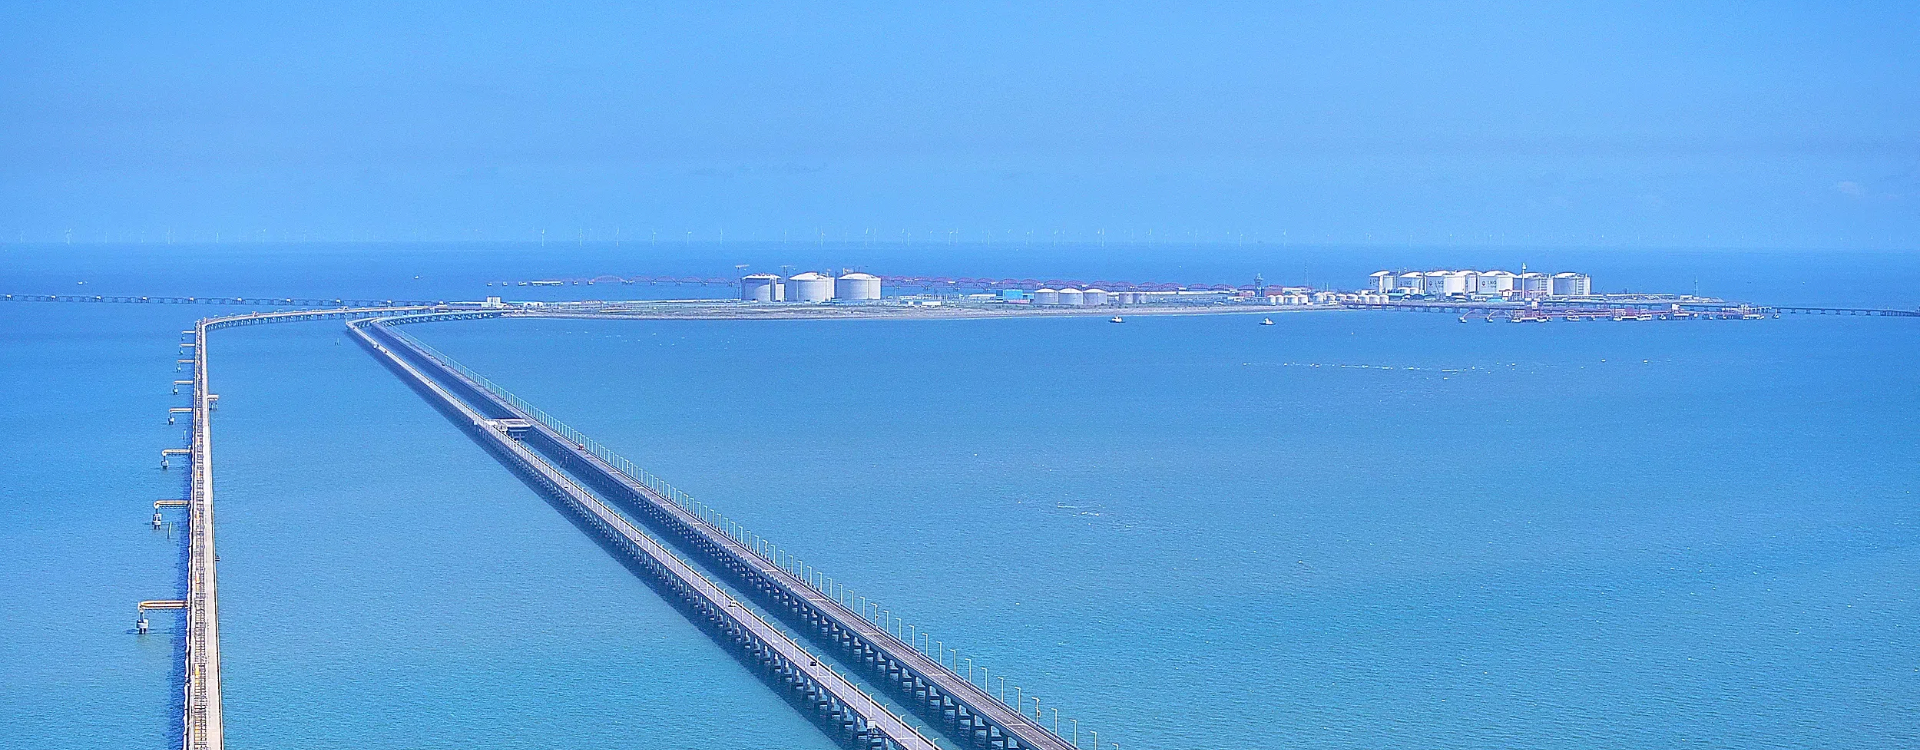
x,y
1053,291
761,277
861,276
809,276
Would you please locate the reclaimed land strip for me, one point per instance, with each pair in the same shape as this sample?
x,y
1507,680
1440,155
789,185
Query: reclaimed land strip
x,y
834,702
919,681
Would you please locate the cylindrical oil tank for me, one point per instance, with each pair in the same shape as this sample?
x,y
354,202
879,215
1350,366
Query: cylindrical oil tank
x,y
1094,297
760,287
810,287
1073,297
1046,297
856,287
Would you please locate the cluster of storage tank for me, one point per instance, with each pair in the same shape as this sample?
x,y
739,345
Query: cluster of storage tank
x,y
810,287
1483,283
1072,297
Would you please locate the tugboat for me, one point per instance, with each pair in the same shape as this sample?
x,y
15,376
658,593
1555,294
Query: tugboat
x,y
1117,319
1266,321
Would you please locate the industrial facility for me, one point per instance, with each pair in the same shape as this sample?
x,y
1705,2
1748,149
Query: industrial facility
x,y
810,287
1482,284
852,287
762,287
1520,297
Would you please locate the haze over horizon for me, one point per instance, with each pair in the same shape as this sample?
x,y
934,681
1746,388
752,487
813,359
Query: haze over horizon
x,y
1771,125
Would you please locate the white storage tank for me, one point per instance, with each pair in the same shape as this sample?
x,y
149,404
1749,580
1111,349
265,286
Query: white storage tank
x,y
1072,297
1495,283
857,287
810,287
1046,297
761,287
1094,297
1572,285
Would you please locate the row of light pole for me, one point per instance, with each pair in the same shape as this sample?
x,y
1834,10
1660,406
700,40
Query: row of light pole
x,y
921,641
814,578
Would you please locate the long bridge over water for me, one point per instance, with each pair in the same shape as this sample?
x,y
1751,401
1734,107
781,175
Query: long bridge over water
x,y
202,727
594,486
620,504
823,612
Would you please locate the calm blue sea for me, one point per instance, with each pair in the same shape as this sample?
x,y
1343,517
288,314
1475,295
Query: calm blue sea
x,y
1346,530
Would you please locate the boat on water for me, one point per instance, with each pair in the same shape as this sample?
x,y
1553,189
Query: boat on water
x,y
1266,321
1117,319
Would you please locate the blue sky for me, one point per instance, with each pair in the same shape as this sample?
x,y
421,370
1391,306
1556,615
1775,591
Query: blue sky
x,y
1556,124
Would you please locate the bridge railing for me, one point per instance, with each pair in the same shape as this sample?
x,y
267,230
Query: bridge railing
x,y
579,438
868,609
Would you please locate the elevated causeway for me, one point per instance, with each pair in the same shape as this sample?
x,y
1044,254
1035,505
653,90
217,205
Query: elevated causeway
x,y
583,481
202,725
915,679
831,699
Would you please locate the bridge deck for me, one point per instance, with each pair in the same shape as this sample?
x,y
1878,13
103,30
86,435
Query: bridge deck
x,y
203,727
760,570
923,681
865,718
834,700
